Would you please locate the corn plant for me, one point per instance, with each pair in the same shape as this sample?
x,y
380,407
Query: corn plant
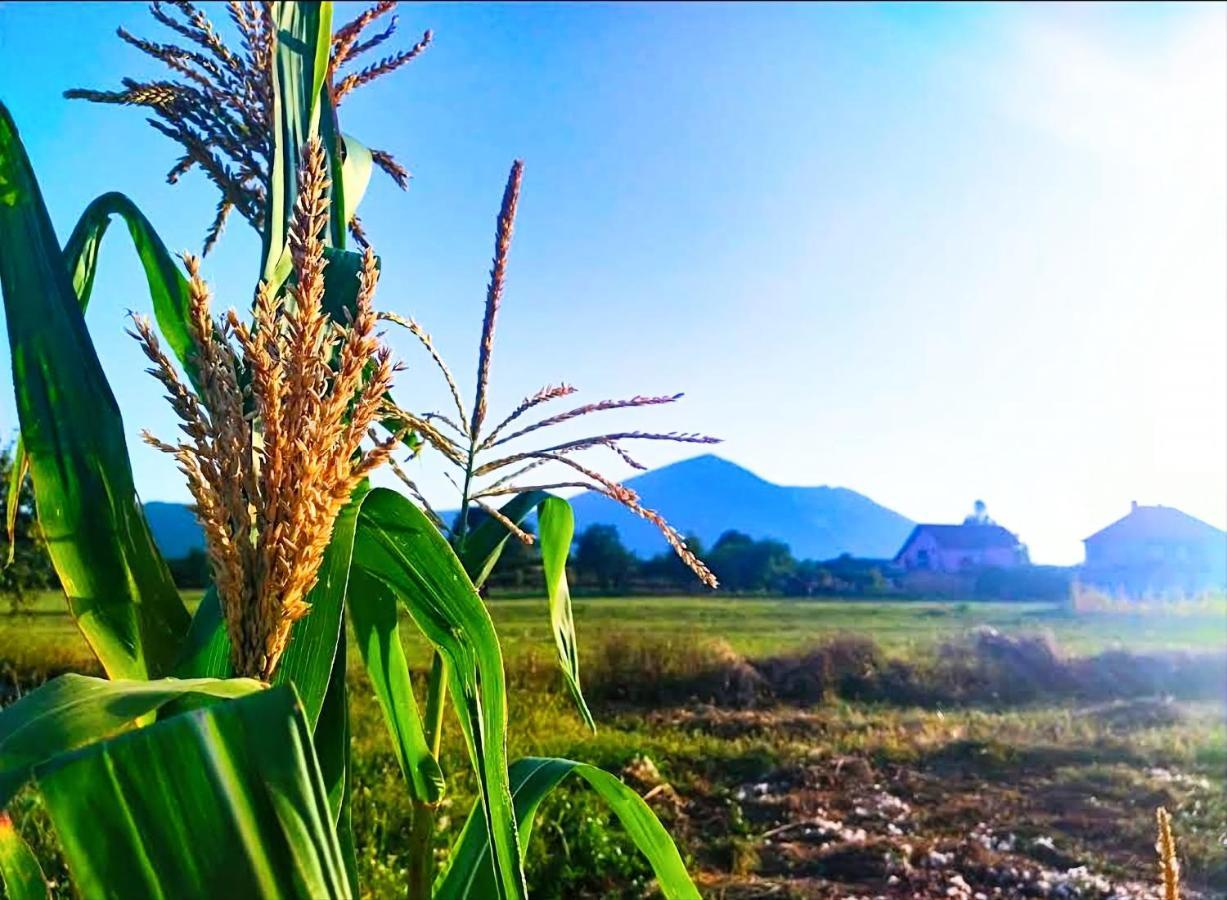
x,y
213,760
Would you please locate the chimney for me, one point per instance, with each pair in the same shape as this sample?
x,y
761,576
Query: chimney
x,y
1134,507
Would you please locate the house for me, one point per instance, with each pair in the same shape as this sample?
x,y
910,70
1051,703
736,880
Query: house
x,y
1156,549
979,543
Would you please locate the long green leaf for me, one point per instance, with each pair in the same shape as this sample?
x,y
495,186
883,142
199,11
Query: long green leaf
x,y
74,710
332,747
300,66
119,589
373,613
168,291
555,529
18,471
168,288
355,176
313,642
484,544
397,545
225,801
470,875
556,524
21,877
205,651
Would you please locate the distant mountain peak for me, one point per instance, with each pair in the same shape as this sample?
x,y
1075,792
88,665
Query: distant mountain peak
x,y
708,495
705,495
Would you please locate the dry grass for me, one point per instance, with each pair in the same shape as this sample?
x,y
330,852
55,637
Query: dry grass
x,y
1169,866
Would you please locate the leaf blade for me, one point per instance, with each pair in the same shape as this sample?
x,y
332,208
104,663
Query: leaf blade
x,y
469,874
373,614
221,801
399,546
300,65
555,530
21,877
119,589
74,710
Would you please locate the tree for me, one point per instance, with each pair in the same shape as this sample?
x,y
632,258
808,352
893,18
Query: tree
x,y
601,556
29,571
668,569
744,564
191,571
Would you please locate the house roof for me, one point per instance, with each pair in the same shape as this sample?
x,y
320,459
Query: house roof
x,y
964,537
1163,523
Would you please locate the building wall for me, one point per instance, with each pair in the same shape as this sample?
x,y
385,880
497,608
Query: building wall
x,y
1142,566
924,554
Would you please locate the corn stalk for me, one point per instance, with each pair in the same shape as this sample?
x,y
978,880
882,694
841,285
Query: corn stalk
x,y
171,776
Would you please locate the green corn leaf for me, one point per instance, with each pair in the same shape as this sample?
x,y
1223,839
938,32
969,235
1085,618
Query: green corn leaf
x,y
205,652
313,642
17,477
355,176
341,270
119,589
74,710
168,290
225,801
555,529
330,136
470,875
484,544
300,67
556,524
373,613
21,877
398,545
332,747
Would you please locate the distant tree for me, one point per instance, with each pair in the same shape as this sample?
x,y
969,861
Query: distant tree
x,y
601,557
30,570
667,567
744,564
191,571
979,515
810,578
518,566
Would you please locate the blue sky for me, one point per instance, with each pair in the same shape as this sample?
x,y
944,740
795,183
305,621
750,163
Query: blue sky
x,y
928,252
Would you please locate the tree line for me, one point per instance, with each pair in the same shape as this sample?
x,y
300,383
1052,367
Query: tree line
x,y
600,563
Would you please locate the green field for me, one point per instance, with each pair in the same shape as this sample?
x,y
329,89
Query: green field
x,y
828,794
753,626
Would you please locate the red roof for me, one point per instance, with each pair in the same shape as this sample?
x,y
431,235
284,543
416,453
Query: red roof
x,y
1158,523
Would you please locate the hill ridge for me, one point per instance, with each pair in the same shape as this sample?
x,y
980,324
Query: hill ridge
x,y
704,495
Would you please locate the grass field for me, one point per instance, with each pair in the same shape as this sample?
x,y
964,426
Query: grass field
x,y
779,748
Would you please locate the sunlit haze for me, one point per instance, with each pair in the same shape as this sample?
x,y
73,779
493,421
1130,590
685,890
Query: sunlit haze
x,y
929,253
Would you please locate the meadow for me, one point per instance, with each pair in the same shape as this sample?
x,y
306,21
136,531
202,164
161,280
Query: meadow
x,y
821,748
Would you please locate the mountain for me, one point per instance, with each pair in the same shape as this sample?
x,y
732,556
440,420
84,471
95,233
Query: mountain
x,y
175,529
707,495
704,495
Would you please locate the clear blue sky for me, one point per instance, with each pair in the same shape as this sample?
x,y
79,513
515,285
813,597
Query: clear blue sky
x,y
931,253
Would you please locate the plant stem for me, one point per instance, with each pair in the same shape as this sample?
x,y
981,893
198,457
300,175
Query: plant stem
x,y
421,832
421,851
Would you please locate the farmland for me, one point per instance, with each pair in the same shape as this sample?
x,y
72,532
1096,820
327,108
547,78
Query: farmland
x,y
792,757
